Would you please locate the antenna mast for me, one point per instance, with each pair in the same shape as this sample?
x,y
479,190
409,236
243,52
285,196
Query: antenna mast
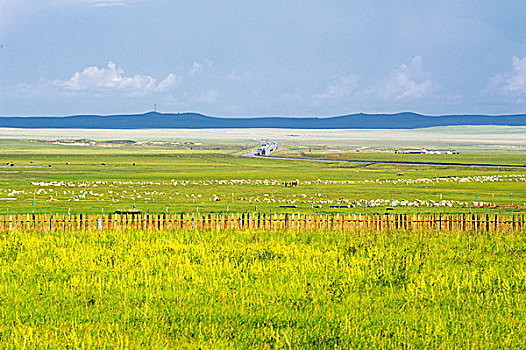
x,y
155,108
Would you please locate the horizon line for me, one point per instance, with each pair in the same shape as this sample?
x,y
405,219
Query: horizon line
x,y
264,116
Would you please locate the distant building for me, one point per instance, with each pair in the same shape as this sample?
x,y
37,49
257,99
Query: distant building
x,y
427,151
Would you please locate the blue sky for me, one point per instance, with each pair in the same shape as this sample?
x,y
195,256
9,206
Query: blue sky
x,y
262,57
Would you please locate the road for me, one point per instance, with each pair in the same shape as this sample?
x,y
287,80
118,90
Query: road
x,y
472,165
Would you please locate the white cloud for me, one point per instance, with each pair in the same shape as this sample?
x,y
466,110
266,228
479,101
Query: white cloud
x,y
408,82
512,84
235,76
110,3
112,79
209,96
168,82
290,97
198,66
344,87
516,81
14,11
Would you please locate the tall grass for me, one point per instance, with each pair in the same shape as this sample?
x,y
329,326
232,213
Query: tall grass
x,y
239,289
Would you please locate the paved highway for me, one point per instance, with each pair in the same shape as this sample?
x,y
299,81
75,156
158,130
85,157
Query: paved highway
x,y
474,165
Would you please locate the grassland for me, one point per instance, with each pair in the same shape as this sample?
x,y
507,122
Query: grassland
x,y
465,157
212,177
255,288
258,289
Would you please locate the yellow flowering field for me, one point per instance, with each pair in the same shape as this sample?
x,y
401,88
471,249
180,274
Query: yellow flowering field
x,y
262,289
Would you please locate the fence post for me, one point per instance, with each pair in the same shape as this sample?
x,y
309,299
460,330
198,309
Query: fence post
x,y
299,223
414,222
216,222
181,217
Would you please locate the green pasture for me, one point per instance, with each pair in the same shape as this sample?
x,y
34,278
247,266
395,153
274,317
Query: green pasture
x,y
465,156
214,177
256,289
139,289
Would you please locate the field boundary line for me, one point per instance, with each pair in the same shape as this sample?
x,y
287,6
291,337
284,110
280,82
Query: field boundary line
x,y
396,162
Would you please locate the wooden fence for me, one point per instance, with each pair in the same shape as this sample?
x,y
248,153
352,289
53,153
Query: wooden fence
x,y
266,221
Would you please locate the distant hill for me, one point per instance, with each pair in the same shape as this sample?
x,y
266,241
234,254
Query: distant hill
x,y
198,121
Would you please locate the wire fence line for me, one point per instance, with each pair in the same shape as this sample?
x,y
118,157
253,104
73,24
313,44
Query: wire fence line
x,y
265,221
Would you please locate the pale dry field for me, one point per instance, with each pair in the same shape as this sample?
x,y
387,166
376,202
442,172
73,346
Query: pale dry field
x,y
479,137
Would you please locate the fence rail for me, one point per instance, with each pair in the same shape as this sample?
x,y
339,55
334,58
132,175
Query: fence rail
x,y
265,221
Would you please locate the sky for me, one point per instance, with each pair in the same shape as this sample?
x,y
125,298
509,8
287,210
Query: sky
x,y
262,57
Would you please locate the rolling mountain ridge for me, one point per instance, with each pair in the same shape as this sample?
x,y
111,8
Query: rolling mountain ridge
x,y
154,120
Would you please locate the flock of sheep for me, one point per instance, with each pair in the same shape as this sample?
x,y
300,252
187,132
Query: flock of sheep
x,y
146,191
280,182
